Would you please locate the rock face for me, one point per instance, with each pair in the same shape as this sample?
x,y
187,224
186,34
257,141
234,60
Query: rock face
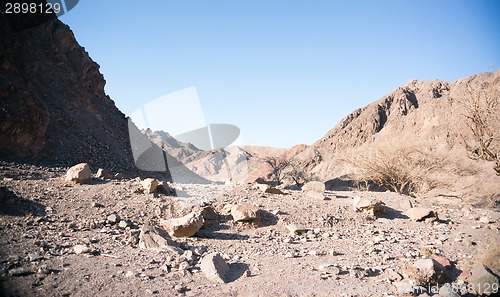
x,y
53,108
214,267
185,226
80,173
314,189
244,212
414,114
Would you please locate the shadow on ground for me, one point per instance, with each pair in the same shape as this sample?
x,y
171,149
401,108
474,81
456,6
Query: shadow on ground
x,y
391,213
236,270
13,205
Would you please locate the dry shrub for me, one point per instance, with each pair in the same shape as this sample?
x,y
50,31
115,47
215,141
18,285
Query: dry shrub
x,y
401,169
481,114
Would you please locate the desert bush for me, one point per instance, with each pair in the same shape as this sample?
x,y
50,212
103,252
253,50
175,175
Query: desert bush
x,y
398,169
482,117
278,165
297,174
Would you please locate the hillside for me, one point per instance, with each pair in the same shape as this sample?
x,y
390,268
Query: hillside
x,y
429,116
53,108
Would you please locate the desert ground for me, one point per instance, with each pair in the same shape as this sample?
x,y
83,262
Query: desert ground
x,y
71,239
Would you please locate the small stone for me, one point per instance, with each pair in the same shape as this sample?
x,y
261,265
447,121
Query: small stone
x,y
185,226
276,191
96,205
155,238
369,206
314,189
419,213
101,173
43,269
296,229
123,224
19,271
393,275
330,268
484,220
149,185
443,261
79,173
404,288
80,249
35,257
448,291
113,218
244,212
483,280
130,274
214,267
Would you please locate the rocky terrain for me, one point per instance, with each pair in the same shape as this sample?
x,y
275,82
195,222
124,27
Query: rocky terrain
x,y
88,205
70,239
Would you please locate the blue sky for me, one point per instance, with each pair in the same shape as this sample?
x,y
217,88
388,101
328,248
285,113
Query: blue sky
x,y
285,72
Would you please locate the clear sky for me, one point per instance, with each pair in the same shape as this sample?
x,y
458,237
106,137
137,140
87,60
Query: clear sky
x,y
284,71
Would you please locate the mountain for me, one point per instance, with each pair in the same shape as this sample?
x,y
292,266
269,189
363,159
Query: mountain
x,y
427,115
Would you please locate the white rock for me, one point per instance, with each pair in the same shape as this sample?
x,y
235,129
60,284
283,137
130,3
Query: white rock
x,y
81,249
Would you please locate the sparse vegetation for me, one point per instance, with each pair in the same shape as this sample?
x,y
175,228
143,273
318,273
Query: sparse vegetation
x,y
399,169
278,165
298,175
481,115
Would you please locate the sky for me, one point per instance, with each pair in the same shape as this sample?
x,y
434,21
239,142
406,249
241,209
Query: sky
x,y
284,72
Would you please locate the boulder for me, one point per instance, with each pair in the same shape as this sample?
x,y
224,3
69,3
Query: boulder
x,y
80,173
244,212
314,189
419,213
367,205
149,185
185,226
214,267
483,280
101,173
428,270
155,238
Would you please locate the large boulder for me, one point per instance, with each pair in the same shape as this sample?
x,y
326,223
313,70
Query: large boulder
x,y
314,189
214,267
185,226
244,212
80,173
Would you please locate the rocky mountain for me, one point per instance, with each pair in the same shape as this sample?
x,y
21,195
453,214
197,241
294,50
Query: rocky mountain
x,y
428,115
53,107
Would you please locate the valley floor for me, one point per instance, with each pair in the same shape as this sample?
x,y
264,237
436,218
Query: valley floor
x,y
342,252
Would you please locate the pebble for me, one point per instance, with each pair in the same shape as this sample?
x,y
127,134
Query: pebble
x,y
80,249
113,218
19,271
35,257
123,224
